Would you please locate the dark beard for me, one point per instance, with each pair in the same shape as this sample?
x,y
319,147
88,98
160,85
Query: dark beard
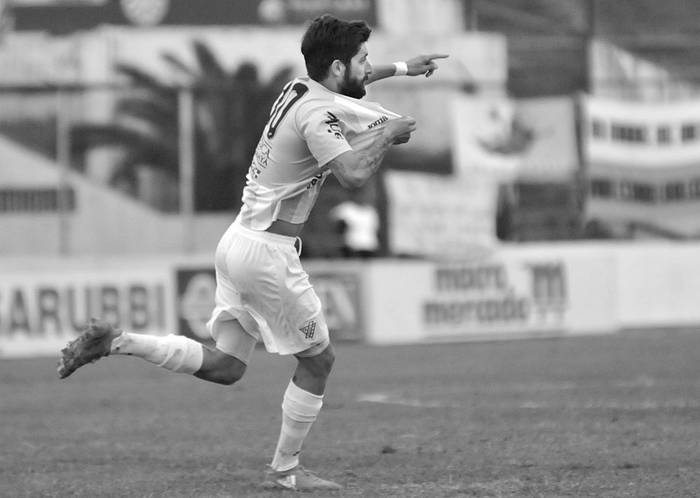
x,y
352,88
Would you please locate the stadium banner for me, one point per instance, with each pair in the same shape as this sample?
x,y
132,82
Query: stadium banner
x,y
511,292
658,285
44,303
529,290
641,135
527,139
643,166
439,215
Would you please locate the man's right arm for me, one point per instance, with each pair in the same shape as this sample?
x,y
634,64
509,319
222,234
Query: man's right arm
x,y
353,168
421,64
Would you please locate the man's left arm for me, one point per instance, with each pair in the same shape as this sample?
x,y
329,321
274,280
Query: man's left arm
x,y
421,64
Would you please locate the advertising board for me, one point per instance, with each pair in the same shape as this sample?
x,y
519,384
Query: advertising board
x,y
511,292
41,311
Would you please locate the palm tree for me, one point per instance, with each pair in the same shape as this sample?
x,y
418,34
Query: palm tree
x,y
230,110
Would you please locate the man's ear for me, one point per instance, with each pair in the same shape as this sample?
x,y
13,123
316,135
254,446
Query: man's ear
x,y
337,68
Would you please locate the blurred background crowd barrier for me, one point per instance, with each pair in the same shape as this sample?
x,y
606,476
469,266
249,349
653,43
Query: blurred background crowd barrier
x,y
127,128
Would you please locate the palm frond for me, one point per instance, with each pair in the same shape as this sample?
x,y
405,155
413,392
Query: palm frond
x,y
212,70
158,153
139,77
151,111
179,66
231,108
246,72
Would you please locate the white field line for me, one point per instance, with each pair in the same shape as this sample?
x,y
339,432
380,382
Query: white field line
x,y
640,403
638,382
594,404
641,382
612,404
392,399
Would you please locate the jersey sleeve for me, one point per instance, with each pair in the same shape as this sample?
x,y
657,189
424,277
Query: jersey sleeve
x,y
321,128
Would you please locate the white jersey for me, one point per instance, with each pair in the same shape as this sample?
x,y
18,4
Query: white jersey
x,y
309,126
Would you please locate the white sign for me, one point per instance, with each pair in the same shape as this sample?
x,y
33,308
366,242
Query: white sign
x,y
527,139
644,166
440,215
636,135
40,311
510,292
29,59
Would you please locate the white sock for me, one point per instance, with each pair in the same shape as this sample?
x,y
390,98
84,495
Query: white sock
x,y
299,411
174,352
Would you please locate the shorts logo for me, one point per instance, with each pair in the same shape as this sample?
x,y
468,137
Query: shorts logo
x,y
308,329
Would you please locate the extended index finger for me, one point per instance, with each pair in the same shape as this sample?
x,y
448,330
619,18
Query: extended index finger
x,y
437,56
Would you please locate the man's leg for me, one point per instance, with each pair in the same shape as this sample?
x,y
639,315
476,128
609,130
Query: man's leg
x,y
300,406
173,352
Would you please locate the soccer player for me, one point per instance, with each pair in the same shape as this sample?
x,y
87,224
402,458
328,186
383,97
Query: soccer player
x,y
317,126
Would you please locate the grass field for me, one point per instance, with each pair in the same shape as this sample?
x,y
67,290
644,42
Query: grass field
x,y
606,416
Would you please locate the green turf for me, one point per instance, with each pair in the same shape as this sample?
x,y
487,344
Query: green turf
x,y
582,417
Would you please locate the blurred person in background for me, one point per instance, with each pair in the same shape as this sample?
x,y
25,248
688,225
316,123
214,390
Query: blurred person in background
x,y
358,223
317,126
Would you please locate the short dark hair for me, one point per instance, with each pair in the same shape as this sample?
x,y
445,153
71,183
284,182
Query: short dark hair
x,y
329,38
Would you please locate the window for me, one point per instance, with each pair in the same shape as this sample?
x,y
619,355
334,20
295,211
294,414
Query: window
x,y
601,188
639,192
694,188
675,191
663,135
625,190
688,132
36,200
628,133
598,129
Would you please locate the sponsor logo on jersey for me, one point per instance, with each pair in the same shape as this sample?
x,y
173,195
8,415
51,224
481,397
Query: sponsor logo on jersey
x,y
334,125
381,120
315,180
262,153
259,163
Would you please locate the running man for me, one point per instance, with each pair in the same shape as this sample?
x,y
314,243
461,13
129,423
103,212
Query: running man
x,y
317,126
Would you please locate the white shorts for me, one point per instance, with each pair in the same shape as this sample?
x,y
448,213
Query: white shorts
x,y
260,283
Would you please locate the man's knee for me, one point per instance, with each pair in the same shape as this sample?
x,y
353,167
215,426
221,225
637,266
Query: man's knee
x,y
321,364
232,373
222,369
328,359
